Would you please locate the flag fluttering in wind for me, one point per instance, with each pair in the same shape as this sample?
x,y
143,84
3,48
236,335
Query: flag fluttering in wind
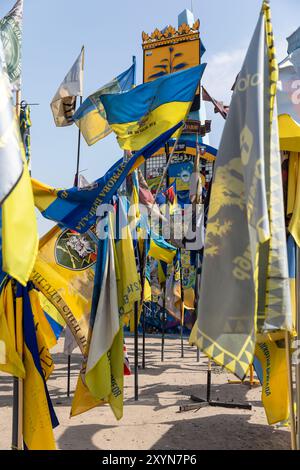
x,y
144,113
64,273
245,249
10,361
39,415
117,287
11,36
91,116
63,104
19,226
76,208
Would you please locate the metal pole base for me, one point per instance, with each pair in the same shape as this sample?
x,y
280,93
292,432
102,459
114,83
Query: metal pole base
x,y
200,403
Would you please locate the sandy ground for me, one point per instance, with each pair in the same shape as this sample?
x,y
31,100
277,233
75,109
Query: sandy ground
x,y
154,422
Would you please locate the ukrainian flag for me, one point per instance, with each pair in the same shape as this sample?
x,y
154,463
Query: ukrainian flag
x,y
142,114
39,415
91,117
76,208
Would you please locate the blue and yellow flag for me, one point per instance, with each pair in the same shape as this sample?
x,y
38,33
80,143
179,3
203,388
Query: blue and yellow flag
x,y
76,208
10,361
39,416
144,113
91,116
19,226
161,250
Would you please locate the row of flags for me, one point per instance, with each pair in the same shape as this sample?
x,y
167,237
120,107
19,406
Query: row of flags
x,y
90,285
245,251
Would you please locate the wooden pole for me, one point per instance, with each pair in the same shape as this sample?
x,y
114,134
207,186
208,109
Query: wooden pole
x,y
291,393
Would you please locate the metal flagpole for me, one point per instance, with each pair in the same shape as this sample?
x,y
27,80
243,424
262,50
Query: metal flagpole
x,y
298,345
163,324
18,390
291,393
136,352
164,313
182,309
76,183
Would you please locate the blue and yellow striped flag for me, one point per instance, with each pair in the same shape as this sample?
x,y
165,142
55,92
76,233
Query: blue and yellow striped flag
x,y
142,114
76,208
39,415
91,117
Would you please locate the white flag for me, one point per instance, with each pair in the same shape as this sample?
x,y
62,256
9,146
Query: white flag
x,y
11,36
63,104
11,164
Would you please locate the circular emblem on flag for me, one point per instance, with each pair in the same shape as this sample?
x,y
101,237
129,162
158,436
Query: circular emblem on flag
x,y
75,251
11,38
185,176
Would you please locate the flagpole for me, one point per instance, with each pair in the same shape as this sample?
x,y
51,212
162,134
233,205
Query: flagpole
x,y
291,393
182,309
298,344
136,352
17,425
76,181
164,313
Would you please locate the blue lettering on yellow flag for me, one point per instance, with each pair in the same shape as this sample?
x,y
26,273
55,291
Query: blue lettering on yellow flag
x,y
76,208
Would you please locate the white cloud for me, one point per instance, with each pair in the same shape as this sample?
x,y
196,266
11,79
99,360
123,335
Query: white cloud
x,y
221,73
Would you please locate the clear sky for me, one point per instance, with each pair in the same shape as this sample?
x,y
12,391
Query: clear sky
x,y
55,30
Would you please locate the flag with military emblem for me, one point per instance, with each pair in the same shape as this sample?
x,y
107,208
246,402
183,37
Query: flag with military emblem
x,y
245,285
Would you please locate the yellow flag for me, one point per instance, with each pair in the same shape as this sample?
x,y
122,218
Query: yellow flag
x,y
294,189
10,361
64,273
39,416
271,353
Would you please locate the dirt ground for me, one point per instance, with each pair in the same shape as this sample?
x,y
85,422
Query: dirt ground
x,y
154,422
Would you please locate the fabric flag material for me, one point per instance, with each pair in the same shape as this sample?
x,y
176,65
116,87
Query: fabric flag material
x,y
11,163
128,278
292,262
245,247
11,37
19,226
173,291
294,197
271,353
76,208
53,316
127,370
64,273
10,361
144,113
101,377
63,104
25,125
161,250
39,415
104,371
91,116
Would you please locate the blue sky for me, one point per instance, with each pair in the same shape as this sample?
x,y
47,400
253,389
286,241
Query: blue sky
x,y
55,30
